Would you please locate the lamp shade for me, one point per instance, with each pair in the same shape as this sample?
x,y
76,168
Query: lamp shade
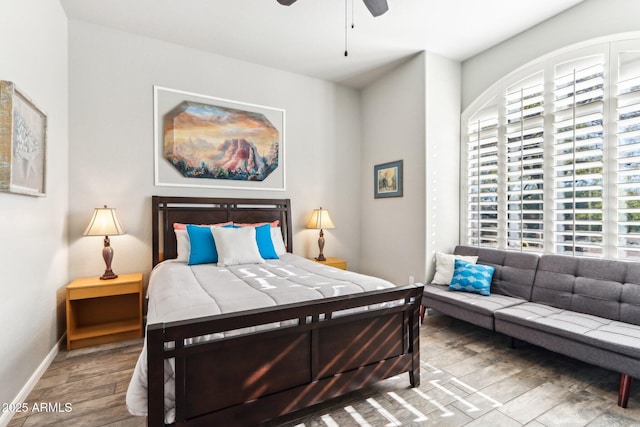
x,y
104,222
320,219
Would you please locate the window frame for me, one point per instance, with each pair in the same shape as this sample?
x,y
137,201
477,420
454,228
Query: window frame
x,y
608,49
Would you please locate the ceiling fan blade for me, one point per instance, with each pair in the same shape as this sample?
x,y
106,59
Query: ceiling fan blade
x,y
376,7
286,2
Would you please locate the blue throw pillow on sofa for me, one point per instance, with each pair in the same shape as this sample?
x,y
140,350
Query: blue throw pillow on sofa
x,y
475,278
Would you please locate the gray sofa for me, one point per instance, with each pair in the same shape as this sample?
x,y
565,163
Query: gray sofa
x,y
588,309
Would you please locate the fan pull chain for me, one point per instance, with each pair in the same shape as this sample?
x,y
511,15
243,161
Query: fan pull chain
x,y
346,26
346,19
353,17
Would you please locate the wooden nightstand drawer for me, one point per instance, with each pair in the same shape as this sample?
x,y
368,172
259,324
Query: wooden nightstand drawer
x,y
103,291
101,311
333,262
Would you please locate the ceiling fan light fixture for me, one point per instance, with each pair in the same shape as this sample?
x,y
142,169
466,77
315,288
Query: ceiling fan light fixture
x,y
376,7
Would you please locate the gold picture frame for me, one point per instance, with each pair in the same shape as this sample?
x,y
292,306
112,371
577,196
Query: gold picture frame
x,y
23,143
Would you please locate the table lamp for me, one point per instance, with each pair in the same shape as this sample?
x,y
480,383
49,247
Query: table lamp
x,y
104,222
320,219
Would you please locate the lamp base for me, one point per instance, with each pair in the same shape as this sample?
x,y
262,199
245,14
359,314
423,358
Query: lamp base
x,y
321,247
107,254
108,274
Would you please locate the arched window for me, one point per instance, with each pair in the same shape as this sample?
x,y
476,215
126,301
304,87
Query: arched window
x,y
551,156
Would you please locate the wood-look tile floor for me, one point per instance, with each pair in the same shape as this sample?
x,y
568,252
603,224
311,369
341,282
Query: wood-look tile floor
x,y
91,382
470,377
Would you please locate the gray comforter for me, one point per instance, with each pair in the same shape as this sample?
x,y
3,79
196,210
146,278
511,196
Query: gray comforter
x,y
178,292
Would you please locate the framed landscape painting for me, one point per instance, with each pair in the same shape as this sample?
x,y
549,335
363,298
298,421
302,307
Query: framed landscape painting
x,y
387,179
23,143
204,141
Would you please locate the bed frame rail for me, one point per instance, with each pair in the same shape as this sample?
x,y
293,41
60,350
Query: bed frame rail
x,y
319,351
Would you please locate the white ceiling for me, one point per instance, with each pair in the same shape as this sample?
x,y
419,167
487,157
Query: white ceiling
x,y
309,37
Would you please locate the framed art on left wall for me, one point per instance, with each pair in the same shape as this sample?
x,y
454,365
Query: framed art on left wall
x,y
23,143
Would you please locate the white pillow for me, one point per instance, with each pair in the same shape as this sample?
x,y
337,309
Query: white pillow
x,y
445,264
278,242
236,246
184,246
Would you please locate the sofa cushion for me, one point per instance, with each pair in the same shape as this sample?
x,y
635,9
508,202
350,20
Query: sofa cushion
x,y
598,287
472,302
591,286
630,298
593,330
514,271
554,280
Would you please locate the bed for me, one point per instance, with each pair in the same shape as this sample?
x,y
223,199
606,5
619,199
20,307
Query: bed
x,y
268,360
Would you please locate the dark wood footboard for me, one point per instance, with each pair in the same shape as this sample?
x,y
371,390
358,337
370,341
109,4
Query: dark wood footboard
x,y
317,353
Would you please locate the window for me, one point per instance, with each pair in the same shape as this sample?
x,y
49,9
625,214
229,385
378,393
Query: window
x,y
524,140
482,177
578,156
627,116
552,158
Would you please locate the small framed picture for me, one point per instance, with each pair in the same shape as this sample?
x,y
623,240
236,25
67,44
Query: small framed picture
x,y
387,180
23,143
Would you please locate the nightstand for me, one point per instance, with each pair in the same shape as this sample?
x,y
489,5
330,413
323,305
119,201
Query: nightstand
x,y
333,262
102,311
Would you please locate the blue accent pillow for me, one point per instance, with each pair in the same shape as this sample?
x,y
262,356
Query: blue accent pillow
x,y
265,244
203,247
475,278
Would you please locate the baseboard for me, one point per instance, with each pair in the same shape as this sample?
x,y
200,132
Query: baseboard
x,y
5,417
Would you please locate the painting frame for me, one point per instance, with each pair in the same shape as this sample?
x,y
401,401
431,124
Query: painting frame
x,y
23,143
388,180
166,99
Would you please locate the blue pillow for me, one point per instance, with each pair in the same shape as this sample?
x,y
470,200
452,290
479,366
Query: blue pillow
x,y
265,244
475,278
203,247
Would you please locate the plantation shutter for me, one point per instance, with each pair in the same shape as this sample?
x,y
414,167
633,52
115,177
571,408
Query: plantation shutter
x,y
524,127
628,154
578,156
482,177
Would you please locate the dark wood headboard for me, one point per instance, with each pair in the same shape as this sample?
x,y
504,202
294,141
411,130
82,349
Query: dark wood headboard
x,y
210,210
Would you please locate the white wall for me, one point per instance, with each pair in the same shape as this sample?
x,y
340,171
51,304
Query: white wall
x,y
587,20
393,128
411,114
111,141
442,158
33,248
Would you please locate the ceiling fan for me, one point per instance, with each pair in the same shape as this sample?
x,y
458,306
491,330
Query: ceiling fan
x,y
376,7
